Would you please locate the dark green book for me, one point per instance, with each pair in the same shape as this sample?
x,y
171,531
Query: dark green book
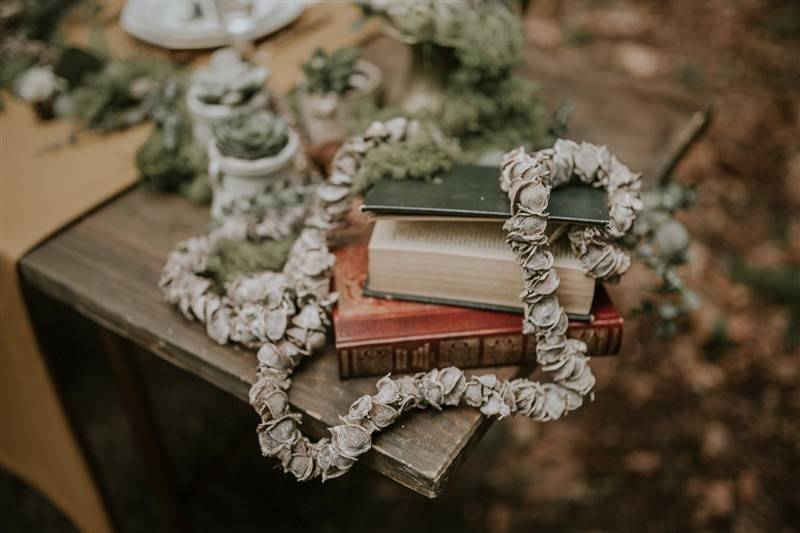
x,y
472,191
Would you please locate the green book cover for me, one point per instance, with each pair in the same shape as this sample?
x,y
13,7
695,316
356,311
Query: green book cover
x,y
473,191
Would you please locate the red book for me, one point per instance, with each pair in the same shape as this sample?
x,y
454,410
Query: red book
x,y
375,336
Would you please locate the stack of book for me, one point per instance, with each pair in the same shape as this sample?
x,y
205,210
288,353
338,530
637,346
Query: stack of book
x,y
429,281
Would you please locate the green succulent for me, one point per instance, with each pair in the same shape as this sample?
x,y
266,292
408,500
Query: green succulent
x,y
252,136
423,156
228,80
331,73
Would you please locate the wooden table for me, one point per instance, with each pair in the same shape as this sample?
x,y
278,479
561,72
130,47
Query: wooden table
x,y
107,264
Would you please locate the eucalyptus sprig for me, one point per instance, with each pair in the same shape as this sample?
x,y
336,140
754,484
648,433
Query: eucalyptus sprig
x,y
122,94
252,136
662,242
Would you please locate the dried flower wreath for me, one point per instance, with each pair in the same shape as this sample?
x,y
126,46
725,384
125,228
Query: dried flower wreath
x,y
285,314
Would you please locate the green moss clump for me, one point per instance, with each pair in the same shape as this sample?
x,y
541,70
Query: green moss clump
x,y
490,42
494,114
424,156
252,136
228,258
487,105
198,190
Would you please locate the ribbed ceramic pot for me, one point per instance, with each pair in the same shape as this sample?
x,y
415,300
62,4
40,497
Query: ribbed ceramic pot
x,y
233,178
326,115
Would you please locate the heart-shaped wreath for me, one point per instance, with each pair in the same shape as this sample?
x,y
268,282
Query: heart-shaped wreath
x,y
285,314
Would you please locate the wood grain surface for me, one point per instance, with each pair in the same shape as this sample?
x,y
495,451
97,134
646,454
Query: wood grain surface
x,y
107,264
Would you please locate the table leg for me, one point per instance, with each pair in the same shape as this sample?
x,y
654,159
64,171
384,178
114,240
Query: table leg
x,y
139,411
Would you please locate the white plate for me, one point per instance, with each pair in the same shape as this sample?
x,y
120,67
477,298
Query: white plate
x,y
172,23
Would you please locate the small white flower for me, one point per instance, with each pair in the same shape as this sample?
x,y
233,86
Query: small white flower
x,y
39,84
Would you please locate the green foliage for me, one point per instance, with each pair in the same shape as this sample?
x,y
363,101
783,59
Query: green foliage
x,y
168,167
662,243
229,258
490,41
277,197
170,160
718,342
331,73
122,94
494,114
780,286
198,190
40,18
12,68
480,44
423,156
252,136
74,64
497,114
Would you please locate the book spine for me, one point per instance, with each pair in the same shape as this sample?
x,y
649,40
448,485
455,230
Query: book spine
x,y
464,351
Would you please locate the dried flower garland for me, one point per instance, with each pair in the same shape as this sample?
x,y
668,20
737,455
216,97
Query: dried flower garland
x,y
285,314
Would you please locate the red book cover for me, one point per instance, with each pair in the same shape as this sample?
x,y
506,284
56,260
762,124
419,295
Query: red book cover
x,y
376,335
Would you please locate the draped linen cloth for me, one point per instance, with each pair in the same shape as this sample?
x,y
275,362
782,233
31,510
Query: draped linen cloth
x,y
43,190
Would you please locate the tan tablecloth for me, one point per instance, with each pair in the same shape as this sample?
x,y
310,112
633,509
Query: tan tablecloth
x,y
43,190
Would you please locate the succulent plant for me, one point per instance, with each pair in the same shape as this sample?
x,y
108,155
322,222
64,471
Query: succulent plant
x,y
252,136
331,73
228,80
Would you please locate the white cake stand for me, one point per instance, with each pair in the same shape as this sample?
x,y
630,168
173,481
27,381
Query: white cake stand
x,y
194,24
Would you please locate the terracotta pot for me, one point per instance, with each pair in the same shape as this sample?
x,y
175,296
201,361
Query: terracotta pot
x,y
326,115
233,178
204,116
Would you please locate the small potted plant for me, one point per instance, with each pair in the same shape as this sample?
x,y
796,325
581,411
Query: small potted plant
x,y
333,86
228,86
247,154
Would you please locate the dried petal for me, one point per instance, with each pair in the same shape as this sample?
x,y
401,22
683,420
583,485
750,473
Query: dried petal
x,y
350,440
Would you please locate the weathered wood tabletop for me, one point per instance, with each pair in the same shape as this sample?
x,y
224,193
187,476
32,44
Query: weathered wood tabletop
x,y
107,265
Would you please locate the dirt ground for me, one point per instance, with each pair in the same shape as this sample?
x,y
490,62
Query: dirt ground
x,y
700,431
697,432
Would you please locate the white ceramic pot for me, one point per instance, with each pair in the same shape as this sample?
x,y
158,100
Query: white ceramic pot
x,y
233,178
326,115
204,116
